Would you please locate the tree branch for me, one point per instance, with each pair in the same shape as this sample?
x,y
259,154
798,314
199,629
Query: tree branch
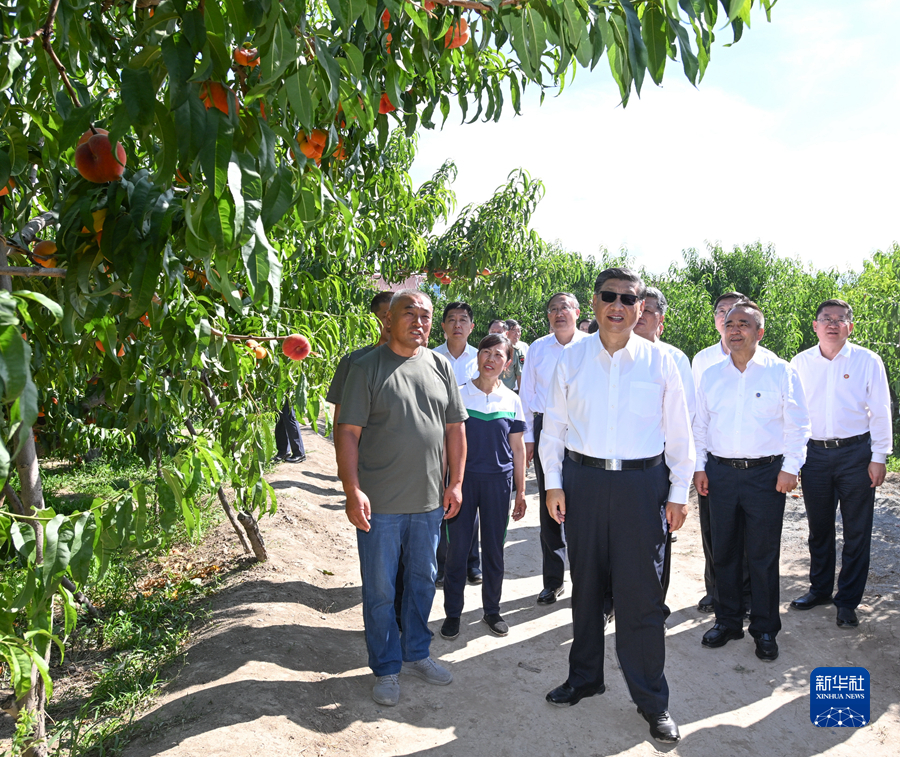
x,y
45,34
33,272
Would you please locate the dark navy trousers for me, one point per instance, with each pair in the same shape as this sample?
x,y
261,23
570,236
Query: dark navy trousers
x,y
487,496
553,543
832,478
287,432
616,532
747,514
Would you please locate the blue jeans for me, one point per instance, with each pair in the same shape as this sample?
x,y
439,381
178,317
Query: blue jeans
x,y
379,555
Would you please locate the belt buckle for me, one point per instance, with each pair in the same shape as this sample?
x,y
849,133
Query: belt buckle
x,y
832,443
743,464
612,465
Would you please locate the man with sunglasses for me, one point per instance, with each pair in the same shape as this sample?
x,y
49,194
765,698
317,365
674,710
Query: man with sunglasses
x,y
618,458
850,412
540,362
750,429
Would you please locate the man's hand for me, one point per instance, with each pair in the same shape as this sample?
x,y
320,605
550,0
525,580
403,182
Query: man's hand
x,y
787,482
519,508
701,483
529,453
877,472
452,501
676,512
556,505
359,510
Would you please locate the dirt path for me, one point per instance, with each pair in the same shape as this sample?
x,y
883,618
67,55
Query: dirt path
x,y
281,668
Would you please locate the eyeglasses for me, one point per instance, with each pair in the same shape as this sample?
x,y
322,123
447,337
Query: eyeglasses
x,y
828,321
627,299
560,309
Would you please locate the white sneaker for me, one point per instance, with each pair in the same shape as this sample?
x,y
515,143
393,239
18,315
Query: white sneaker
x,y
386,690
428,670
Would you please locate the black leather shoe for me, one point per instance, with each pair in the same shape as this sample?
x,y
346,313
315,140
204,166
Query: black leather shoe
x,y
706,604
566,696
766,647
846,618
662,727
475,577
450,628
719,636
497,625
810,600
549,596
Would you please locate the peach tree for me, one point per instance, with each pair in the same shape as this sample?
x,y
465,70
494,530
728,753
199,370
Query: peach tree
x,y
208,172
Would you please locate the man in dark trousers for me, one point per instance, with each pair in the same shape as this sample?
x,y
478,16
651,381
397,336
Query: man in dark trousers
x,y
750,430
849,402
288,442
618,457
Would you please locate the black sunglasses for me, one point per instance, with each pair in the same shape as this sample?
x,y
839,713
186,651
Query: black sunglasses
x,y
627,299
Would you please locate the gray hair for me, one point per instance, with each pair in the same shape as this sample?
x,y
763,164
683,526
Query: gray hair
x,y
661,302
409,293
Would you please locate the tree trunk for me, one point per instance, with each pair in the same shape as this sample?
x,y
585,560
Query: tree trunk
x,y
253,534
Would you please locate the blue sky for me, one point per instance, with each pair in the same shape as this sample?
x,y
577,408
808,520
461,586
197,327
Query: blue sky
x,y
790,139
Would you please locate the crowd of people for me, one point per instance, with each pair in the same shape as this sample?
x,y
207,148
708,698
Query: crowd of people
x,y
432,448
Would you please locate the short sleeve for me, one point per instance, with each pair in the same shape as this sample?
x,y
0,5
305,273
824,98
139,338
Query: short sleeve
x,y
336,390
356,401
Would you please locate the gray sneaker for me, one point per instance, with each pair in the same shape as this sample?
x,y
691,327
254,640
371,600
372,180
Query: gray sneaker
x,y
428,670
386,690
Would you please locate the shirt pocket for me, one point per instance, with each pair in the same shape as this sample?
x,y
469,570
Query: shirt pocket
x,y
645,399
765,404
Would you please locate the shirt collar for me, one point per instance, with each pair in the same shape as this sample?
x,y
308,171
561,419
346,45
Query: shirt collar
x,y
631,346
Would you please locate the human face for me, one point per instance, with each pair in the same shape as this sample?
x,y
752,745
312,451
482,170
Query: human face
x,y
741,332
584,326
562,312
833,326
492,361
409,321
514,334
650,324
617,318
457,325
382,315
497,328
721,311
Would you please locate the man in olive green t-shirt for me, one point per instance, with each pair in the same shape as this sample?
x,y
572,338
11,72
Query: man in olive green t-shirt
x,y
400,410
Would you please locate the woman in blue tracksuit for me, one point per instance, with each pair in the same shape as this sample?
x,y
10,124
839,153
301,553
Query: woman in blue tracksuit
x,y
495,457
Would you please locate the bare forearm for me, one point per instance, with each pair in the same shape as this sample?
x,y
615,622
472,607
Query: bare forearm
x,y
346,444
456,452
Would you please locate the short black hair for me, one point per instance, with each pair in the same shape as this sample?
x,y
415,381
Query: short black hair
x,y
380,299
562,294
729,296
458,306
582,320
836,304
491,340
497,320
661,302
594,327
512,323
619,274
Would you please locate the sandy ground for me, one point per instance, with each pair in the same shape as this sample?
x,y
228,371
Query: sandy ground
x,y
281,667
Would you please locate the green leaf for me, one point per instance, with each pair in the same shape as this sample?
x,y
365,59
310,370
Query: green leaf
x,y
298,92
654,30
139,95
18,150
54,307
277,198
332,70
15,363
216,153
85,529
637,52
263,267
5,167
143,282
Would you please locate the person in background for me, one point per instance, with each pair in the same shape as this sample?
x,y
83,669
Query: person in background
x,y
288,441
497,327
713,354
584,325
495,455
618,458
401,414
846,388
750,431
457,325
540,363
514,334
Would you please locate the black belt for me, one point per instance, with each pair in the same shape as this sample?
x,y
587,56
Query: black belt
x,y
599,462
745,463
835,443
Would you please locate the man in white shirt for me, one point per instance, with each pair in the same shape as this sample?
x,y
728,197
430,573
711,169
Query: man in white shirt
x,y
850,412
540,362
650,326
712,355
618,458
457,324
750,429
